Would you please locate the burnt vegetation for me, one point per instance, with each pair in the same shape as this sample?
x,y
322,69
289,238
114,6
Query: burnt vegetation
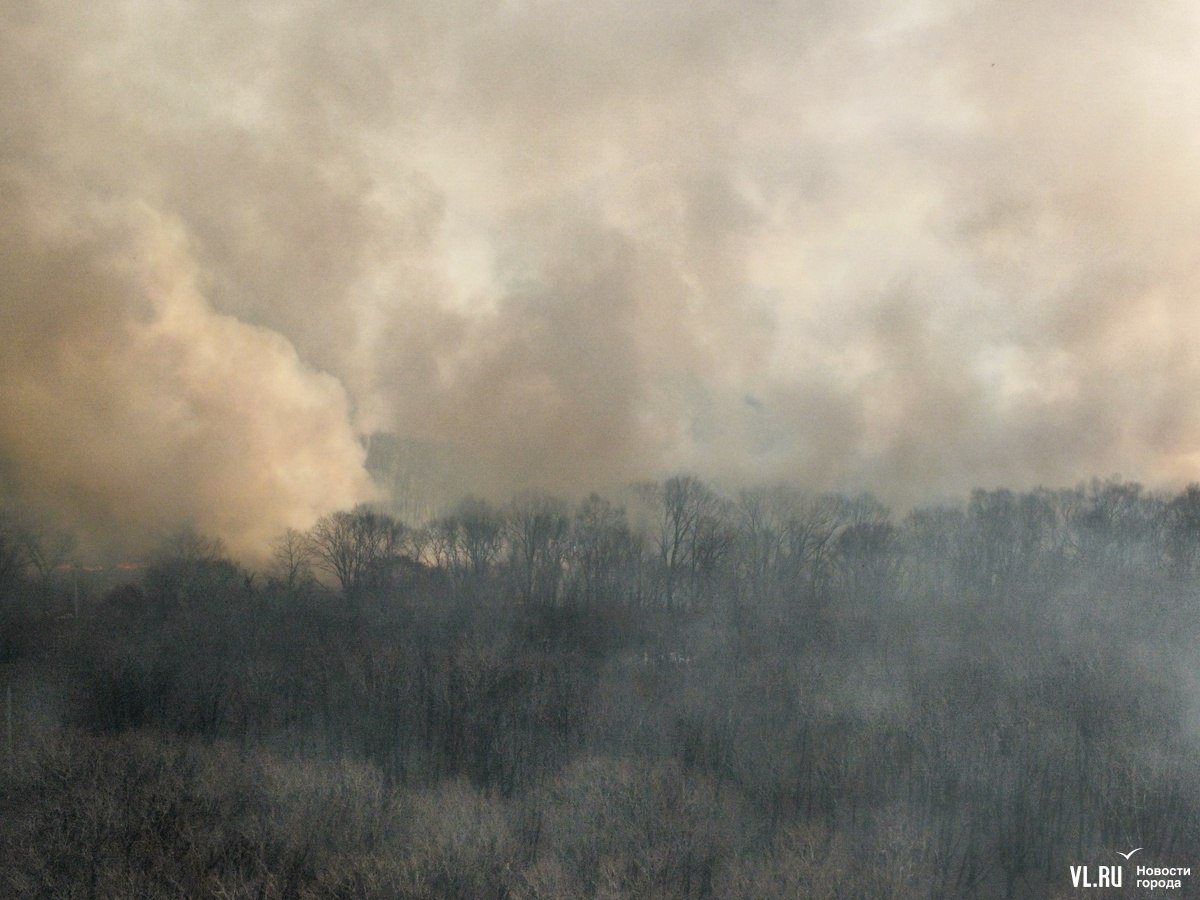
x,y
693,694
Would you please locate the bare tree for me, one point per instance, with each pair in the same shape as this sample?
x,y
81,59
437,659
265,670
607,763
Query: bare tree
x,y
808,548
762,517
46,549
603,549
1183,531
188,566
356,547
538,527
467,542
481,530
190,546
868,559
691,535
934,541
680,502
291,560
1116,527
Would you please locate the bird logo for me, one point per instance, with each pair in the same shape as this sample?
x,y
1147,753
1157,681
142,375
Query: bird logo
x,y
1129,854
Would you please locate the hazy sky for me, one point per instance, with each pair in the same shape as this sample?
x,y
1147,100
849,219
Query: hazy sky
x,y
902,247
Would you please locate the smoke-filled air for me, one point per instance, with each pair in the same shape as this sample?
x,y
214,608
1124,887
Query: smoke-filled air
x,y
906,248
529,449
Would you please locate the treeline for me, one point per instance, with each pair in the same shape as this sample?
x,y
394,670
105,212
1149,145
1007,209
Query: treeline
x,y
686,694
683,546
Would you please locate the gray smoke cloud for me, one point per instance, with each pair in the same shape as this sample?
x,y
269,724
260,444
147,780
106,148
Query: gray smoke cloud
x,y
909,249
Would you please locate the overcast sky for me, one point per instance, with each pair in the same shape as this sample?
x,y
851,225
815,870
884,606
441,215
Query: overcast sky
x,y
905,247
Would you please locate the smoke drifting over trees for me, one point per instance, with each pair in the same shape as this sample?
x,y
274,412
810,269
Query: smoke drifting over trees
x,y
910,249
699,695
369,337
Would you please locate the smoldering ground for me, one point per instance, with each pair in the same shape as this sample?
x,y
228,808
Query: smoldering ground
x,y
904,249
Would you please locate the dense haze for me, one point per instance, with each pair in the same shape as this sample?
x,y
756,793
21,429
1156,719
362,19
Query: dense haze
x,y
768,695
908,250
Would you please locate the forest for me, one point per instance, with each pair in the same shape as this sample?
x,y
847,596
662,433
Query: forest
x,y
683,692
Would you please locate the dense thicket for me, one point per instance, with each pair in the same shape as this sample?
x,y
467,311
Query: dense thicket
x,y
694,695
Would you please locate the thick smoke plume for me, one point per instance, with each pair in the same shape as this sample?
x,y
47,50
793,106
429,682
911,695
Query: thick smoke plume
x,y
907,249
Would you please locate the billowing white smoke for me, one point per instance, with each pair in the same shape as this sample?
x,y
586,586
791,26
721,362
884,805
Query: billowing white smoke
x,y
910,249
131,406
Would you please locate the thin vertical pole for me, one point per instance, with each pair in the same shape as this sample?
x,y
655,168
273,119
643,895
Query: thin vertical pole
x,y
8,725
